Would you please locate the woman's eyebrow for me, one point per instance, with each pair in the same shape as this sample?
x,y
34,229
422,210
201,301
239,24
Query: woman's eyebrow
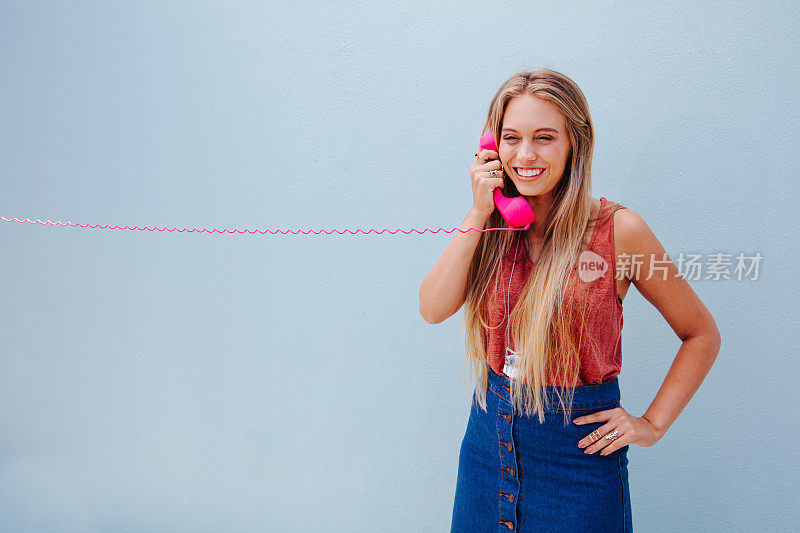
x,y
534,131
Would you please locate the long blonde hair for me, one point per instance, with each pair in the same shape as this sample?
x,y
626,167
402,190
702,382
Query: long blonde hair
x,y
546,350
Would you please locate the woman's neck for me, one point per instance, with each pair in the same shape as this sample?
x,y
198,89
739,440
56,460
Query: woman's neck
x,y
542,206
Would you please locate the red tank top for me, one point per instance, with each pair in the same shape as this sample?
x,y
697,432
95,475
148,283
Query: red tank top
x,y
603,318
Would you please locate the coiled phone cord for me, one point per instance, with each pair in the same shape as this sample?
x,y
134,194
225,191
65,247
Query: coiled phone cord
x,y
273,232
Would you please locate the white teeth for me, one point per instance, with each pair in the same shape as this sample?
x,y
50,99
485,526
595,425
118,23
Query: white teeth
x,y
529,173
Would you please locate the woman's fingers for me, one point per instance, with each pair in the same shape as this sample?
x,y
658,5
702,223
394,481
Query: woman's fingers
x,y
597,439
622,440
487,155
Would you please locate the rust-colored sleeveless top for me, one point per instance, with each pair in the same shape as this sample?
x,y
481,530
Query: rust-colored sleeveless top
x,y
601,359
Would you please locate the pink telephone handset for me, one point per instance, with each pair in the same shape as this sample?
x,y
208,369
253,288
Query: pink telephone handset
x,y
517,211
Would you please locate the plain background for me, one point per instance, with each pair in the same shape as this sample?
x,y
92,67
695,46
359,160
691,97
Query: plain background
x,y
188,381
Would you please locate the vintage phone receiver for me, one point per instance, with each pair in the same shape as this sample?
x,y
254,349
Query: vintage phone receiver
x,y
517,211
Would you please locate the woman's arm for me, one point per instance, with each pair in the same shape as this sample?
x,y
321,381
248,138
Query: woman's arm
x,y
638,252
443,290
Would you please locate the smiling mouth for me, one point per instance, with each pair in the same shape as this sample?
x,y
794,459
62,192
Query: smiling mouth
x,y
528,178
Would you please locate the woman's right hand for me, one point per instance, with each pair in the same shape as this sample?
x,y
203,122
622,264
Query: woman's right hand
x,y
483,183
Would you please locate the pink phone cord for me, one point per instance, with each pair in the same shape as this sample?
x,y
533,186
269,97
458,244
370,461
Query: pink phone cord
x,y
226,230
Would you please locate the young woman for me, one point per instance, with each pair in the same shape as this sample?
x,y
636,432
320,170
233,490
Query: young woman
x,y
546,444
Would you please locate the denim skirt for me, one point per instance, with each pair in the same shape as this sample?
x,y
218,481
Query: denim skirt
x,y
517,474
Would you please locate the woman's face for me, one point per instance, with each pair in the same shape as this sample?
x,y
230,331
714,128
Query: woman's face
x,y
533,137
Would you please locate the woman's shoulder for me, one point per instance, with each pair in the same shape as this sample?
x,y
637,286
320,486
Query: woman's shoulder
x,y
630,229
605,210
621,214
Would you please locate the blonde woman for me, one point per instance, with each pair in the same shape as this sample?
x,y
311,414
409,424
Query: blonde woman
x,y
546,444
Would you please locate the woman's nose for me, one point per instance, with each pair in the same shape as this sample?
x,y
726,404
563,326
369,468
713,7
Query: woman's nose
x,y
526,153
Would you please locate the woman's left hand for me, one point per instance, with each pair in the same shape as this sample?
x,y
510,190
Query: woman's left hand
x,y
630,430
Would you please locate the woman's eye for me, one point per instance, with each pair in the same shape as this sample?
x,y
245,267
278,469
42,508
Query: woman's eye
x,y
543,137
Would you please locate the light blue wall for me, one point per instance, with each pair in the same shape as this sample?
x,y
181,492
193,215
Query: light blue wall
x,y
156,381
